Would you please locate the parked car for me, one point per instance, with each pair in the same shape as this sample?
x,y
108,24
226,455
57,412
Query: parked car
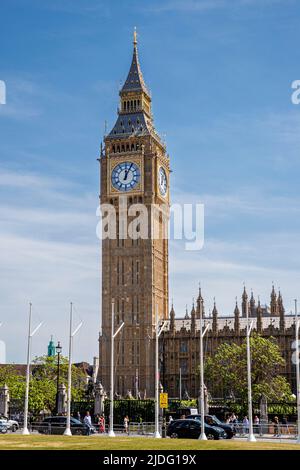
x,y
57,425
191,429
213,421
10,424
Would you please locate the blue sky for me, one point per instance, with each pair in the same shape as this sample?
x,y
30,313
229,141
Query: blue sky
x,y
220,72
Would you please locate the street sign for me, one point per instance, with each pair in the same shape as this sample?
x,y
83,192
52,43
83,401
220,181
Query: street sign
x,y
163,400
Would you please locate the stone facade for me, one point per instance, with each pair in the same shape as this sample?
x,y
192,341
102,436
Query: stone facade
x,y
179,347
134,272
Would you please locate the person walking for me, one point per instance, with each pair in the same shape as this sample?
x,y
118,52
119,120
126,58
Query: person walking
x,y
126,424
256,424
101,424
88,423
276,427
245,425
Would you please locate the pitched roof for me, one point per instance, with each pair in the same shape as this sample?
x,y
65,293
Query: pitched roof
x,y
135,80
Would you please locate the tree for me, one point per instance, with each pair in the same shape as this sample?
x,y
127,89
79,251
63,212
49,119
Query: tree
x,y
42,391
226,371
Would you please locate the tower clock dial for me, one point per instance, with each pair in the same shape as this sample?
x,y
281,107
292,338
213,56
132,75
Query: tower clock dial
x,y
125,176
162,181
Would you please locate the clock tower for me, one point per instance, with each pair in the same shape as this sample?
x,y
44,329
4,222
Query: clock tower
x,y
135,170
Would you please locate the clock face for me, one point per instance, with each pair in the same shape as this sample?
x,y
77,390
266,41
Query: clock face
x,y
162,181
125,176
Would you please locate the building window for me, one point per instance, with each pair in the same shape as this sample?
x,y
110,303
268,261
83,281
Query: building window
x,y
123,309
137,271
183,347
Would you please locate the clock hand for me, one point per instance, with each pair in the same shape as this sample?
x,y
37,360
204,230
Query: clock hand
x,y
126,172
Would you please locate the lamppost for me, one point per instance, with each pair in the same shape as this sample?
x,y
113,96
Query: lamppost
x,y
112,347
29,338
58,349
251,437
158,331
202,333
297,327
68,431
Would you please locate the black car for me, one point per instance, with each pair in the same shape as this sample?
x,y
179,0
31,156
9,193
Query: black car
x,y
215,422
58,424
191,429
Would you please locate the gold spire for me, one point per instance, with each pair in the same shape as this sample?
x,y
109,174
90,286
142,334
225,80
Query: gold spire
x,y
134,37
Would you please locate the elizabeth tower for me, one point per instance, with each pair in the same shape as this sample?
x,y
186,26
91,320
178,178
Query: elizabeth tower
x,y
134,168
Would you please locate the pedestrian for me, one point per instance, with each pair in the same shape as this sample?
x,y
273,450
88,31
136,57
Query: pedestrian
x,y
276,427
170,419
256,424
88,423
245,425
101,424
126,424
78,416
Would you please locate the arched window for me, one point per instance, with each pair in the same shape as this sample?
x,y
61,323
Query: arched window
x,y
132,145
123,148
118,148
127,148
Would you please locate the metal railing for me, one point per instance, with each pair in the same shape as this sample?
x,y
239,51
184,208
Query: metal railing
x,y
267,430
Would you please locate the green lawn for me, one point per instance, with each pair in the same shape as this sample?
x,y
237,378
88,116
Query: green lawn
x,y
19,442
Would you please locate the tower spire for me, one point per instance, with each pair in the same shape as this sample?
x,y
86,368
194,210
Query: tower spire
x,y
134,37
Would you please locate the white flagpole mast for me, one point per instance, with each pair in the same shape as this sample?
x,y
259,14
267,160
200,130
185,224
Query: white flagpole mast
x,y
30,335
251,437
112,345
202,436
157,335
68,431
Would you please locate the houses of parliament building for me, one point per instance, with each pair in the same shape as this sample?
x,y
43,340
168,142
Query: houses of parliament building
x,y
134,163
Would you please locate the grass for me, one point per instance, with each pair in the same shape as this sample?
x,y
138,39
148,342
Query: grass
x,y
19,442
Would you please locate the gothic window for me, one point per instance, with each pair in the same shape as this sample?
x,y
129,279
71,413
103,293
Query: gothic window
x,y
183,347
123,309
118,148
132,145
132,271
123,273
127,148
123,148
137,311
114,149
183,366
122,356
138,353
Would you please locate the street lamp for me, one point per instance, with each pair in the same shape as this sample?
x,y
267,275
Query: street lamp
x,y
68,431
30,335
58,349
158,332
297,327
112,346
251,437
202,435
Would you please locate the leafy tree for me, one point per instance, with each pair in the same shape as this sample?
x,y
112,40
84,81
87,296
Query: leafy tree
x,y
42,391
226,371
